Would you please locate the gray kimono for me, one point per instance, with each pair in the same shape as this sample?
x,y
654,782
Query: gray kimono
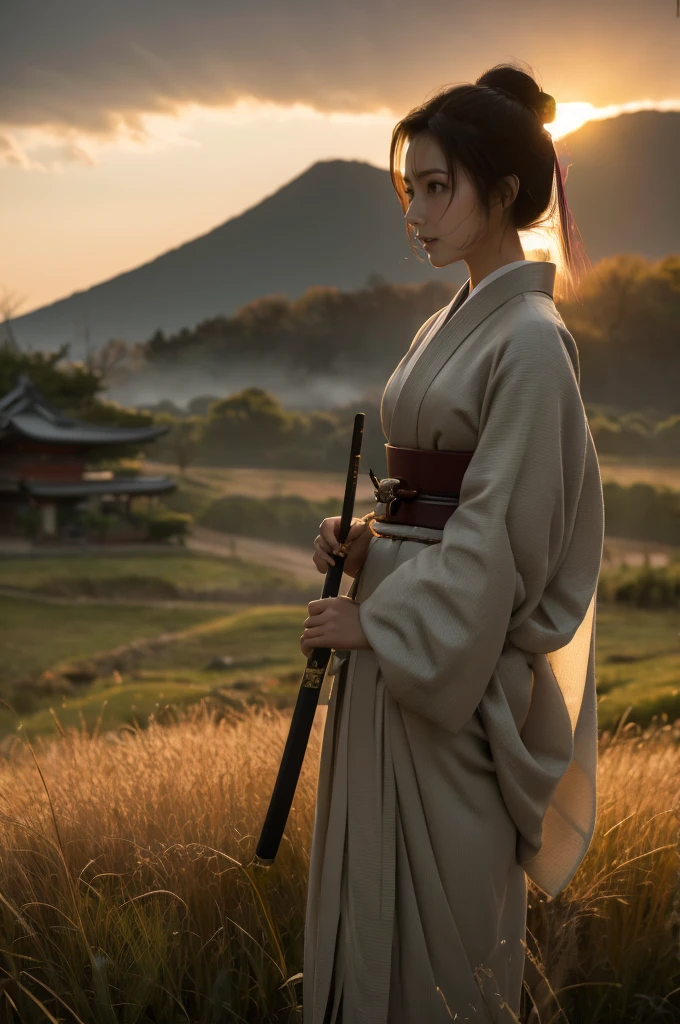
x,y
460,751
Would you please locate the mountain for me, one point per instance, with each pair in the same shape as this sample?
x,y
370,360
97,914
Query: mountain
x,y
340,221
622,186
335,224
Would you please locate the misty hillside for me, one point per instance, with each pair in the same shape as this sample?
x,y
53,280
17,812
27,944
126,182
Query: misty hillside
x,y
340,221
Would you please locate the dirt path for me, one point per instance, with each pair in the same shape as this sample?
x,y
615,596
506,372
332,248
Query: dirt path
x,y
617,551
290,559
287,557
297,561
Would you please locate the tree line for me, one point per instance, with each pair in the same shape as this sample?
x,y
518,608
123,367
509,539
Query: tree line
x,y
626,324
252,427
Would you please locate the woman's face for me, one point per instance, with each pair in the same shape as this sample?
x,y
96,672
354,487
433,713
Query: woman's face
x,y
457,228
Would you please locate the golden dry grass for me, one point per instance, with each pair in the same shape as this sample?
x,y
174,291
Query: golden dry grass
x,y
125,894
121,878
615,930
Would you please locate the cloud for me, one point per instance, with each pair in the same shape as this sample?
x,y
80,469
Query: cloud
x,y
36,149
15,155
97,69
75,152
10,151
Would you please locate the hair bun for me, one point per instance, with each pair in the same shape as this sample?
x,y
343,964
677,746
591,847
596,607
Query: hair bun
x,y
520,86
547,108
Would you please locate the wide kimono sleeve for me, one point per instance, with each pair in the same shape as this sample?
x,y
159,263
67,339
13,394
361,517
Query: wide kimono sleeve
x,y
519,558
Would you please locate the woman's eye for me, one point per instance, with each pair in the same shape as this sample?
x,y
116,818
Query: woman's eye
x,y
409,192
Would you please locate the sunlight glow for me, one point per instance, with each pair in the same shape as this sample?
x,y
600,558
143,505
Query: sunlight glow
x,y
42,149
571,116
155,181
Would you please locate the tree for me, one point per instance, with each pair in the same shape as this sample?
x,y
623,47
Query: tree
x,y
70,388
10,302
104,361
185,437
250,424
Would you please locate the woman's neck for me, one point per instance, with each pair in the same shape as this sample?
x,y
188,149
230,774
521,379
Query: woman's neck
x,y
482,263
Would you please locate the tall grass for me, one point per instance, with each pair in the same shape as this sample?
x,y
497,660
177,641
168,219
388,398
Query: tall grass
x,y
608,946
122,891
126,893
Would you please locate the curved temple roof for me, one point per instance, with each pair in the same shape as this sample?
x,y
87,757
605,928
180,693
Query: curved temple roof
x,y
24,411
132,486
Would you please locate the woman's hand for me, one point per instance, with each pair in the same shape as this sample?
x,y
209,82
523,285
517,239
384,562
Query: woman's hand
x,y
326,544
333,622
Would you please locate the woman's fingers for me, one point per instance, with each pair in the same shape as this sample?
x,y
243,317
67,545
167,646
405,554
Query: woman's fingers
x,y
322,557
328,535
315,630
326,543
308,640
327,532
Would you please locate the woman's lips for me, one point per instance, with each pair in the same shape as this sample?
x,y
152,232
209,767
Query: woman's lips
x,y
427,244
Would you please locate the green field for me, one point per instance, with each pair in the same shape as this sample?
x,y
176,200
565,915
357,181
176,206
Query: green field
x,y
95,635
263,643
37,636
163,575
134,674
637,663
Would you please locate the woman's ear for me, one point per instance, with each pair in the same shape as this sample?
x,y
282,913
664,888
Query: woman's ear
x,y
508,187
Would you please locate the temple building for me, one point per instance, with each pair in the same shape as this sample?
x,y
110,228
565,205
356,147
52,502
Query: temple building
x,y
45,483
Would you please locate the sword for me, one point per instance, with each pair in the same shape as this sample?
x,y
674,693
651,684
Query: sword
x,y
308,694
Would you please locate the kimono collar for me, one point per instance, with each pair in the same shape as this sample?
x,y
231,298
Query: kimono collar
x,y
439,345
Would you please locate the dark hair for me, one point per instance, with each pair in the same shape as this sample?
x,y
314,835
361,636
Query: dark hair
x,y
492,129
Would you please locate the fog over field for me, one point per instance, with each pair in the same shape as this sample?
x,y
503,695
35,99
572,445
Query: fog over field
x,y
295,390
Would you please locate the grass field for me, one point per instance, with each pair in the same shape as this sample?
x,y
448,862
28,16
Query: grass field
x,y
37,636
140,660
128,894
143,658
155,823
627,471
637,663
264,483
201,487
162,574
144,655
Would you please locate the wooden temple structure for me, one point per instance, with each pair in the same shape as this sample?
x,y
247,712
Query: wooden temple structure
x,y
44,460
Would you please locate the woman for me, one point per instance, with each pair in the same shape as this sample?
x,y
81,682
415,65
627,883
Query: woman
x,y
460,746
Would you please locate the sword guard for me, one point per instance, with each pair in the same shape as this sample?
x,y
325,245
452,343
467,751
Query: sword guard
x,y
391,491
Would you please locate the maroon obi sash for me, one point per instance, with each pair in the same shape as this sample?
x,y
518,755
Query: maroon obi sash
x,y
422,487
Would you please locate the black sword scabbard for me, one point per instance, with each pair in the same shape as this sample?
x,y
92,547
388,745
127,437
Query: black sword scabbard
x,y
308,695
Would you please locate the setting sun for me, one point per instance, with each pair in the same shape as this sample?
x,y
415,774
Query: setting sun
x,y
571,116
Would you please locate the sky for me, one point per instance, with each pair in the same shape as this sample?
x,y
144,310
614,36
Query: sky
x,y
128,128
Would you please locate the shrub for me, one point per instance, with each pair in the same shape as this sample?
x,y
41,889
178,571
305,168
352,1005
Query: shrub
x,y
643,512
291,519
165,525
647,587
